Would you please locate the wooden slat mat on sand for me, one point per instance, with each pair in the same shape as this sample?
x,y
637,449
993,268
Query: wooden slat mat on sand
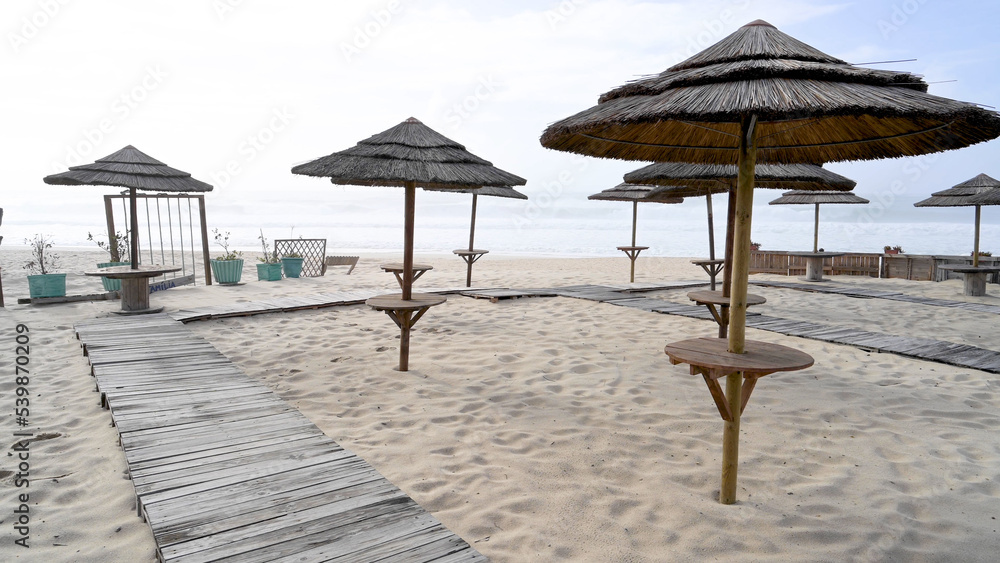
x,y
224,469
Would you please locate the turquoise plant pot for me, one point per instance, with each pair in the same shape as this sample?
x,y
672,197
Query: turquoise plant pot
x,y
110,284
227,271
292,266
47,285
269,272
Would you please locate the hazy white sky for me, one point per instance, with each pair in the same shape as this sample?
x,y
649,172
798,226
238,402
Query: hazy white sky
x,y
238,91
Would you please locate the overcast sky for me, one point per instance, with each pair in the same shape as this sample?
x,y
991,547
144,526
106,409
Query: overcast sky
x,y
238,91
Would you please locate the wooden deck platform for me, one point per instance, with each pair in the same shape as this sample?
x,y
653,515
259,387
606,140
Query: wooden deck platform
x,y
865,293
224,469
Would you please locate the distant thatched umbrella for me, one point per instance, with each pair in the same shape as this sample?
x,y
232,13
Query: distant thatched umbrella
x,y
816,198
495,191
408,155
761,95
130,168
691,180
635,194
978,191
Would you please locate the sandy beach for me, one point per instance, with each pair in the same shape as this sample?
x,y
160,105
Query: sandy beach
x,y
555,429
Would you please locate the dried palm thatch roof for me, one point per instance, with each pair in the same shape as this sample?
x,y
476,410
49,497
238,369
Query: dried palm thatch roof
x,y
495,191
698,178
810,107
408,152
129,168
634,193
812,197
964,194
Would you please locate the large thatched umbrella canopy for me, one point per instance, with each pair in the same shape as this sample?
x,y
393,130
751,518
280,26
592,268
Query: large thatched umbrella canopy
x,y
408,155
692,180
978,191
130,168
761,95
817,198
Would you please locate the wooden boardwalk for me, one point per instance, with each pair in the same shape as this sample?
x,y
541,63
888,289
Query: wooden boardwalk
x,y
865,293
224,470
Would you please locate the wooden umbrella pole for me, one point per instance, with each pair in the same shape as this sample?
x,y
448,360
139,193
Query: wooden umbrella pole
x,y
472,228
635,215
727,279
472,239
410,208
738,307
741,236
711,229
975,246
816,231
133,239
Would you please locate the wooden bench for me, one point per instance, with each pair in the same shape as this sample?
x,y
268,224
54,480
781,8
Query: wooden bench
x,y
351,261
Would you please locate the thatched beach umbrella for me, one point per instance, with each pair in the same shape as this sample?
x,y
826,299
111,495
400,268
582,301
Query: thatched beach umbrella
x,y
760,95
408,155
816,198
691,180
635,194
471,256
130,168
978,191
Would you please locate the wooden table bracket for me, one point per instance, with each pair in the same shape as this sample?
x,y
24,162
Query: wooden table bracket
x,y
470,256
405,313
632,252
396,269
711,267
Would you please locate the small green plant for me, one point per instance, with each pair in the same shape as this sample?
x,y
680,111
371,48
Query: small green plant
x,y
984,253
43,260
754,245
117,246
267,256
223,241
292,255
892,249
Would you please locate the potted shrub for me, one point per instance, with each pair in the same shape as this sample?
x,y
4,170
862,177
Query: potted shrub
x,y
292,264
754,246
985,253
42,282
892,249
270,267
228,268
118,249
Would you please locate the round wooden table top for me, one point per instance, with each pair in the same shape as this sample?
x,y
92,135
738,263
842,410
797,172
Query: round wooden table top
x,y
398,267
125,272
466,252
761,358
395,301
625,248
715,298
810,254
707,262
969,268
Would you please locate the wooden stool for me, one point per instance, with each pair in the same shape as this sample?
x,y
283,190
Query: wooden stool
x,y
405,313
712,298
396,268
710,358
632,252
470,257
711,267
